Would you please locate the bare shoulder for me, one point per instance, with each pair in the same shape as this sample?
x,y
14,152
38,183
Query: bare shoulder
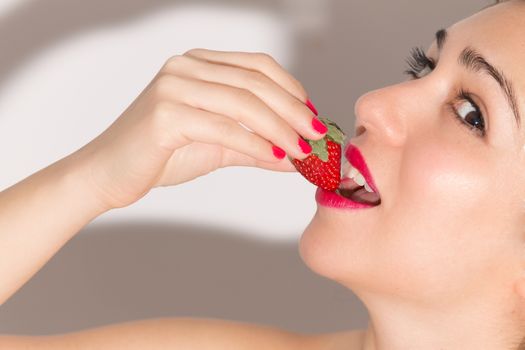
x,y
342,340
183,333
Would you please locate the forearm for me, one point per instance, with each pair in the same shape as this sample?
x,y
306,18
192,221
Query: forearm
x,y
38,215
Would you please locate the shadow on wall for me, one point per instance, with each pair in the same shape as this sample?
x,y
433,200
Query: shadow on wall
x,y
130,271
34,25
360,46
119,272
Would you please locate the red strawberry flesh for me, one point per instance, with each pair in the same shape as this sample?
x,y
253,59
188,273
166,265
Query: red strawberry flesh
x,y
323,166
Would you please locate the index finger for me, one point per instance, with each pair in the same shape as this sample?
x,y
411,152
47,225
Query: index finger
x,y
257,61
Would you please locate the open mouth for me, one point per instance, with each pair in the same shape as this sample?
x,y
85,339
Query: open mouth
x,y
352,191
357,184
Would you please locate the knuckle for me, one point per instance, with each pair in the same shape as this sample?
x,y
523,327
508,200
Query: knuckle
x,y
162,123
256,80
301,91
298,108
174,62
246,96
247,102
162,112
193,52
165,85
265,59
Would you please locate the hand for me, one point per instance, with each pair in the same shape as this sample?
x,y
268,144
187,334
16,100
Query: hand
x,y
186,123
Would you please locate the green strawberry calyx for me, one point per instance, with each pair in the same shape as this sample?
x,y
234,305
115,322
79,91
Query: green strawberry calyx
x,y
335,134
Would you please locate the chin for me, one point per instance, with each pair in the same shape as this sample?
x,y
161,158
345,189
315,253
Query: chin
x,y
322,250
332,250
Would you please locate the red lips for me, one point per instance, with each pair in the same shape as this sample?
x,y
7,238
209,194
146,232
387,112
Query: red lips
x,y
356,159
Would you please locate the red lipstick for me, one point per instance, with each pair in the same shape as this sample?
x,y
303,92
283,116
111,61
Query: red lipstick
x,y
356,159
334,199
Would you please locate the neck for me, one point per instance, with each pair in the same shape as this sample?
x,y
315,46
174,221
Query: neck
x,y
477,324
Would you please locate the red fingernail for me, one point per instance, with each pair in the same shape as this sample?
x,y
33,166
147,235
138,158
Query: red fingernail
x,y
278,152
311,106
305,146
319,126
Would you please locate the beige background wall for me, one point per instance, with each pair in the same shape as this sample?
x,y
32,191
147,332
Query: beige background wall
x,y
221,246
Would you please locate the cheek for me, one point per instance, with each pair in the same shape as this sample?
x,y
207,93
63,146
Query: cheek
x,y
445,232
439,180
444,229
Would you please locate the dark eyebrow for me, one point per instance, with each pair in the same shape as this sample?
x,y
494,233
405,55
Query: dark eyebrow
x,y
474,61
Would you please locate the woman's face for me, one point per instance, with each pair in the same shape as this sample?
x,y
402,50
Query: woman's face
x,y
450,225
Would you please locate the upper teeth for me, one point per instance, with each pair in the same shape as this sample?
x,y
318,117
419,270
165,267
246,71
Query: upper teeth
x,y
353,173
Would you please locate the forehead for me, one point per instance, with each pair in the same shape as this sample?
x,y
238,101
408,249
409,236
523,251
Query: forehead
x,y
496,25
498,33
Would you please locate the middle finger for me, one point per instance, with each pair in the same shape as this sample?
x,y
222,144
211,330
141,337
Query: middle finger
x,y
287,106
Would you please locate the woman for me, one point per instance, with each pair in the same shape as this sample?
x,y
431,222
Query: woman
x,y
439,262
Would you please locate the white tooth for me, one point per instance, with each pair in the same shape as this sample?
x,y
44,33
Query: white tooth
x,y
359,179
353,172
345,168
367,187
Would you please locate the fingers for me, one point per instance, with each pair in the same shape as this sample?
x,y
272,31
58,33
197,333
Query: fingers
x,y
280,99
255,61
182,121
239,105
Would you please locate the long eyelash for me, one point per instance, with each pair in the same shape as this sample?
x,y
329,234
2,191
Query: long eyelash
x,y
417,61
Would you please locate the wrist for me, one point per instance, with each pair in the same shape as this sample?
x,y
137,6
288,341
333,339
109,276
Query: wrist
x,y
76,178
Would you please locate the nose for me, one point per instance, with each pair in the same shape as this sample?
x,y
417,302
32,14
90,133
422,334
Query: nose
x,y
383,114
393,113
399,116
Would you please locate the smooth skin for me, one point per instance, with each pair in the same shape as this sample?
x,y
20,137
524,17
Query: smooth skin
x,y
184,124
184,333
439,265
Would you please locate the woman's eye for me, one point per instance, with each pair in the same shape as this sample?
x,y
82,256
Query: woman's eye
x,y
471,117
468,113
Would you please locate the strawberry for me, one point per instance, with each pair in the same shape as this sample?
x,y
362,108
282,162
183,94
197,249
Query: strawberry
x,y
323,166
